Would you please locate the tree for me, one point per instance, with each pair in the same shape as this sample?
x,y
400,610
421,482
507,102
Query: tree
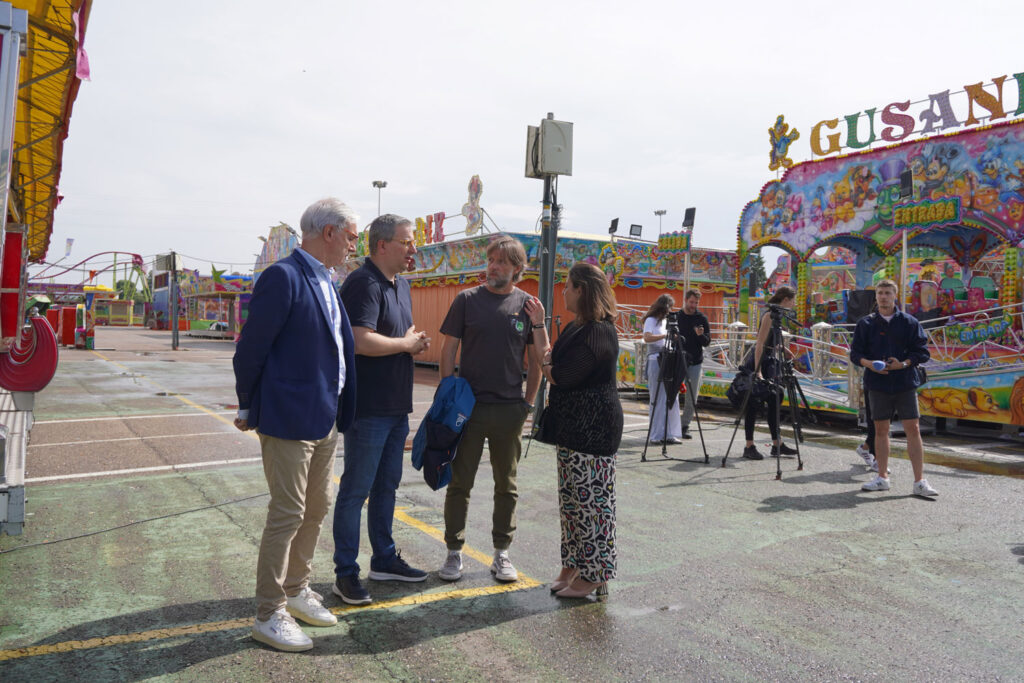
x,y
127,290
758,276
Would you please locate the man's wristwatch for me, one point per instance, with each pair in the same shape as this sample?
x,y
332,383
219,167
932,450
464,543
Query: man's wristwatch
x,y
538,326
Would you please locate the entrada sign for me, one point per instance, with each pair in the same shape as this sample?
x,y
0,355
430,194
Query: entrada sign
x,y
899,125
927,213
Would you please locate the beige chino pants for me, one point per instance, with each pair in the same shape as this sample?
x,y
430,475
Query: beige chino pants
x,y
299,477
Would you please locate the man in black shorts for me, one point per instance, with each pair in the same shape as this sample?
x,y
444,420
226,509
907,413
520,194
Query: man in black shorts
x,y
889,344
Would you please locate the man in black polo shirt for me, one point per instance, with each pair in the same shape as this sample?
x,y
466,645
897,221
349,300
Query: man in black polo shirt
x,y
379,306
696,331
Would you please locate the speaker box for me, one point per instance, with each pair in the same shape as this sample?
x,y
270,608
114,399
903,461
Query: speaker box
x,y
859,303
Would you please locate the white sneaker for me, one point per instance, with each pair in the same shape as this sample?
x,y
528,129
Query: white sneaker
x,y
502,567
869,459
923,488
874,468
281,632
308,606
452,569
876,484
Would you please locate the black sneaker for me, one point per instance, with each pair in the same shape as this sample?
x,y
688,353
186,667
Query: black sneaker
x,y
396,569
784,449
687,434
350,590
751,453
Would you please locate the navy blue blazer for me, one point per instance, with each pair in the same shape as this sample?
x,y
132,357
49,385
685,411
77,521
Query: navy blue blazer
x,y
286,360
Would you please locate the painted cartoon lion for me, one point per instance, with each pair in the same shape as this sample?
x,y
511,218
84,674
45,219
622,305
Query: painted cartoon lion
x,y
1017,402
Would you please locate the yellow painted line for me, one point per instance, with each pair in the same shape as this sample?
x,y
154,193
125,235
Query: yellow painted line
x,y
523,583
433,532
184,400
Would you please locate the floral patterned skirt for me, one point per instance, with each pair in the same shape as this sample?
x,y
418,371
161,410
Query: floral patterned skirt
x,y
586,501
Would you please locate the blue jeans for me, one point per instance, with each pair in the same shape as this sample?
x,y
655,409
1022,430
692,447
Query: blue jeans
x,y
373,468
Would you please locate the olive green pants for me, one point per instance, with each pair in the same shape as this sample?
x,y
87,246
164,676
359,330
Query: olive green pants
x,y
501,424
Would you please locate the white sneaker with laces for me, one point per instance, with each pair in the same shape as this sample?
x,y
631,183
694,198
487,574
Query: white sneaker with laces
x,y
502,567
877,484
452,568
282,633
869,459
923,488
308,606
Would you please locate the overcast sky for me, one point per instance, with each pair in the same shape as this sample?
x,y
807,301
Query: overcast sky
x,y
205,123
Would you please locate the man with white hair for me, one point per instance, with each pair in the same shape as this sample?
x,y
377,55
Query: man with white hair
x,y
295,380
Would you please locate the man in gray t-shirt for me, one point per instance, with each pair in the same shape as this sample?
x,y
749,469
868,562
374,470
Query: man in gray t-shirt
x,y
491,325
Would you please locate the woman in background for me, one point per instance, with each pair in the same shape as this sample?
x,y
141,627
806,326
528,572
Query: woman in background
x,y
655,331
764,360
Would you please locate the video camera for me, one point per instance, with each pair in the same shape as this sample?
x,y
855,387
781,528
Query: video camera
x,y
672,320
778,312
672,327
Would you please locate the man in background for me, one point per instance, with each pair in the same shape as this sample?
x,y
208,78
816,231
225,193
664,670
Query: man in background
x,y
890,345
696,331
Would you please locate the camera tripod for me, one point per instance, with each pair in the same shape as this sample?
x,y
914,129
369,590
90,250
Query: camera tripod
x,y
780,382
673,371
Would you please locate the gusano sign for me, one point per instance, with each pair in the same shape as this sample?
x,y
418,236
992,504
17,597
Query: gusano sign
x,y
896,124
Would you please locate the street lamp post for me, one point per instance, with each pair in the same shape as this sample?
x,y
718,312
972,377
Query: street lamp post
x,y
380,185
659,213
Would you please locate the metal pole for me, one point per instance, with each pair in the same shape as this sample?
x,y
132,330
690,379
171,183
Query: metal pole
x,y
172,301
546,283
903,272
686,270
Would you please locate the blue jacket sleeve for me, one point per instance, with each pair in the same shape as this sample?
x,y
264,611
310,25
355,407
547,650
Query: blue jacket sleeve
x,y
268,311
918,344
859,346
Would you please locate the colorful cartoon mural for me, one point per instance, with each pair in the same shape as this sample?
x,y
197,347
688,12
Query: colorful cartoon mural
x,y
989,397
962,213
628,263
973,178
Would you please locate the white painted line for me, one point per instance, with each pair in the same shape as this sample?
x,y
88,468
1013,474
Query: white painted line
x,y
127,438
140,470
132,417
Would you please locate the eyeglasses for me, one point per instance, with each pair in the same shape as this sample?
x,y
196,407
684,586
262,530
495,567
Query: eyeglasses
x,y
405,243
353,236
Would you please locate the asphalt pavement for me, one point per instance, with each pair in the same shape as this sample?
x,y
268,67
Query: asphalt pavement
x,y
145,508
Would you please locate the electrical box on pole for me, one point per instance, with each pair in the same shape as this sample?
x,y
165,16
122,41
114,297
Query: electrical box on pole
x,y
533,152
170,261
555,147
